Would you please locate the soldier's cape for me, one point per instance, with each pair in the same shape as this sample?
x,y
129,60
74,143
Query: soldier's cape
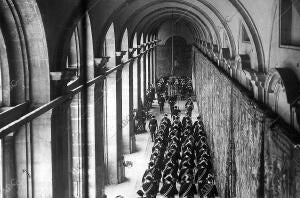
x,y
208,190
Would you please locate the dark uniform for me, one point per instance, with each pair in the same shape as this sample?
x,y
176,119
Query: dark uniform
x,y
167,120
152,127
172,103
168,188
176,112
150,186
187,188
161,102
209,189
186,119
189,107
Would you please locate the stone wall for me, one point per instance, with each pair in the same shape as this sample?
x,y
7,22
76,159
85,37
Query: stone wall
x,y
252,154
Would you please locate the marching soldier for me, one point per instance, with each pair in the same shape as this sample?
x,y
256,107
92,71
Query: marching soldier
x,y
201,172
187,188
198,124
168,188
186,119
209,190
150,186
166,119
177,124
170,169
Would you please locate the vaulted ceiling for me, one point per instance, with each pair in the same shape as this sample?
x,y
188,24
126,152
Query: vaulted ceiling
x,y
208,20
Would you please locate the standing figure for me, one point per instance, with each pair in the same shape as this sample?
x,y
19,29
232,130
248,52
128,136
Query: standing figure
x,y
161,102
152,127
176,112
172,103
189,106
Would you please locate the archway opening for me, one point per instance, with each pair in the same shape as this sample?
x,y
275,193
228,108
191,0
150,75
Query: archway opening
x,y
181,58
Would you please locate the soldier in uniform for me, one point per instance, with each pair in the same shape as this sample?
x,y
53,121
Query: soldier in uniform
x,y
176,112
167,120
186,119
187,188
150,186
189,106
172,103
170,169
209,190
168,188
152,127
201,172
161,102
198,123
177,124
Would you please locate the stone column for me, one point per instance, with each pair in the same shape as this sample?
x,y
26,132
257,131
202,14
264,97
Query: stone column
x,y
23,159
90,109
135,83
113,138
131,108
150,67
142,79
99,136
125,124
146,70
41,156
139,81
10,184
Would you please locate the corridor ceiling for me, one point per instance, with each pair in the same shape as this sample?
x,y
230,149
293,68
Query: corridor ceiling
x,y
208,20
204,18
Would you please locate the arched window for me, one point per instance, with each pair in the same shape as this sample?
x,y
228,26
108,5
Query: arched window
x,y
73,58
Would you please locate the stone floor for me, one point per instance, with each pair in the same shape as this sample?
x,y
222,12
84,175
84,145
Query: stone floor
x,y
140,159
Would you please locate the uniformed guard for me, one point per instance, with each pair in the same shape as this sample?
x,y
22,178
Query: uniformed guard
x,y
152,127
161,102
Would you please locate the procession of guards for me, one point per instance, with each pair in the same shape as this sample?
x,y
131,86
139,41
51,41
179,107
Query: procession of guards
x,y
180,162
